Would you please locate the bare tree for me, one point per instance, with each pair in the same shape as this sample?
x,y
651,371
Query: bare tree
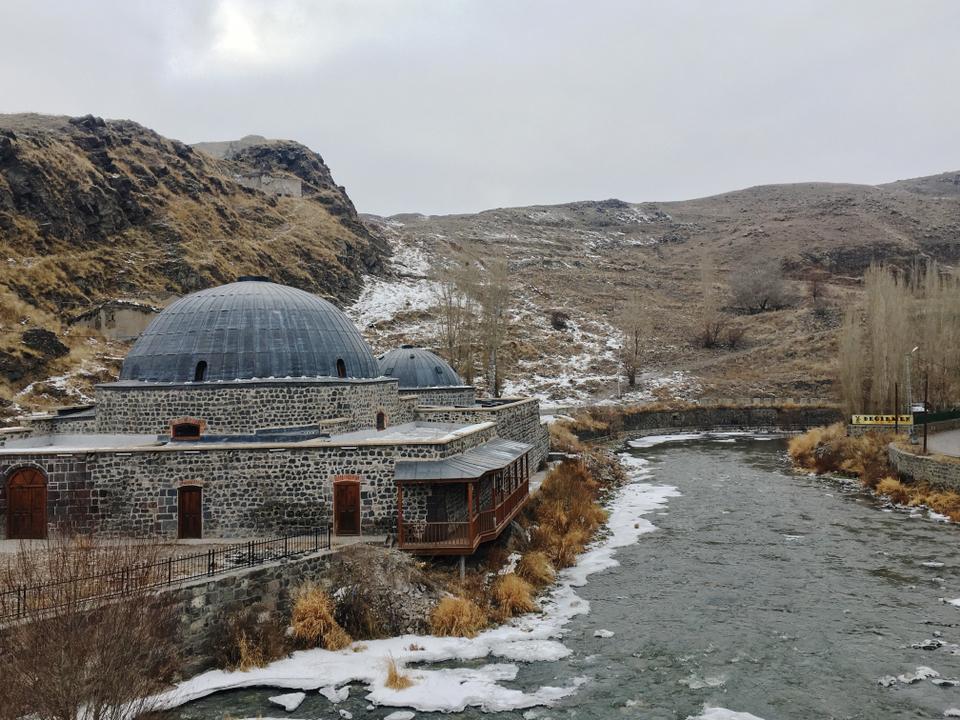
x,y
493,298
456,298
86,647
712,320
474,298
633,324
759,286
898,314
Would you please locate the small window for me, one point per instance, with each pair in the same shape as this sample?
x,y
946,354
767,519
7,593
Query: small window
x,y
341,368
388,372
438,369
201,372
381,421
185,430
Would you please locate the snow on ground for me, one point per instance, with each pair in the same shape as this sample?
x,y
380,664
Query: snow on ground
x,y
407,290
529,638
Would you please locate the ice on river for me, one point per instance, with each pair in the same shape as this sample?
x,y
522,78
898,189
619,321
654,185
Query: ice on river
x,y
532,637
719,713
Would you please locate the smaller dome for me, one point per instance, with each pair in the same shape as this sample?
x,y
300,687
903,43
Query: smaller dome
x,y
417,367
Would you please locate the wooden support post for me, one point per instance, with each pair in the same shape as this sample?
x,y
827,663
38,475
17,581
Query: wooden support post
x,y
463,568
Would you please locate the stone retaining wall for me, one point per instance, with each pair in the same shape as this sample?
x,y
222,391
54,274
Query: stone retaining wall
x,y
657,422
203,606
936,470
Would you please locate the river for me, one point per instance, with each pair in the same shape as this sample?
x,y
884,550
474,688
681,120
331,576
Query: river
x,y
762,591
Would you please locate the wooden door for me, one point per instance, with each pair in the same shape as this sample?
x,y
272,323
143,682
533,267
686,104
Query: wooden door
x,y
346,508
27,505
190,512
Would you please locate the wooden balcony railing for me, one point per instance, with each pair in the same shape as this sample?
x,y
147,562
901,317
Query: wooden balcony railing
x,y
465,536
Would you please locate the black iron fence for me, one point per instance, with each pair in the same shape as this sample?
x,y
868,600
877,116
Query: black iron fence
x,y
29,599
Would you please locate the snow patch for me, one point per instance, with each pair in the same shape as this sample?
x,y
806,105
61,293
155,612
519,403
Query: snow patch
x,y
289,701
334,694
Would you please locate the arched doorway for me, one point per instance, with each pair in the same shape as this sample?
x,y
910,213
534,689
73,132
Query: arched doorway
x,y
381,421
27,505
189,512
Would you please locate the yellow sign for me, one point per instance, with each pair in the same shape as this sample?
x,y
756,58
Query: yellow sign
x,y
890,420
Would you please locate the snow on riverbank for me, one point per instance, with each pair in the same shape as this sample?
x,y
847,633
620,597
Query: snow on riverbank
x,y
532,637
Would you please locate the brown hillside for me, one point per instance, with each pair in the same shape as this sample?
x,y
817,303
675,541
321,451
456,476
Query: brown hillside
x,y
587,257
92,210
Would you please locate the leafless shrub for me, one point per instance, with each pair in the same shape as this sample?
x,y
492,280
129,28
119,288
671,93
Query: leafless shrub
x,y
735,336
712,320
249,636
69,656
759,286
634,326
559,319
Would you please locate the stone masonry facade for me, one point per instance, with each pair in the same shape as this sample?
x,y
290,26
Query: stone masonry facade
x,y
245,406
464,396
245,488
519,421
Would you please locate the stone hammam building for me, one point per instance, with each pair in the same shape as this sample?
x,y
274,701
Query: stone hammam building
x,y
255,408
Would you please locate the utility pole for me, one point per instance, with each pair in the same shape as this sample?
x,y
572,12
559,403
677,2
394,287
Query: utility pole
x,y
913,426
896,408
926,383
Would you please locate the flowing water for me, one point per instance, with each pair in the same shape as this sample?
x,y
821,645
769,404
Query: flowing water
x,y
762,591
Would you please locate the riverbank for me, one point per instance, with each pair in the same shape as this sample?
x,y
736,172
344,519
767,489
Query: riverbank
x,y
523,638
829,450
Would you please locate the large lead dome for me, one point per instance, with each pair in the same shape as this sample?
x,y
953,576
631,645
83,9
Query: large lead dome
x,y
249,329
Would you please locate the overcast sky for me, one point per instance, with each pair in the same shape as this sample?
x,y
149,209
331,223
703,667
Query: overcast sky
x,y
463,105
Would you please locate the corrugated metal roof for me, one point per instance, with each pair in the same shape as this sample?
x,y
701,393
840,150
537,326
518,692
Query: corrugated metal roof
x,y
417,367
246,330
493,455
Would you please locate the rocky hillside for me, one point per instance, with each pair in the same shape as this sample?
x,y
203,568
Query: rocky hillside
x,y
586,258
92,210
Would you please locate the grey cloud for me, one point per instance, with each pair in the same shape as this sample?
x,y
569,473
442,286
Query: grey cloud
x,y
459,106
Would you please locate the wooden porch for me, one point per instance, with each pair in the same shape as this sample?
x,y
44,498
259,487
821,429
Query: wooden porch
x,y
461,513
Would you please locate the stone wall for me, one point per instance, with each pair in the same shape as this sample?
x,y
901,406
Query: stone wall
x,y
519,421
71,496
938,471
203,606
406,410
246,489
464,396
244,407
644,422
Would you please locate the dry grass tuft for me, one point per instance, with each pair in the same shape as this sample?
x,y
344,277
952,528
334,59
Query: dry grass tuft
x,y
535,568
828,449
894,489
313,621
457,616
563,440
567,513
513,595
396,678
803,448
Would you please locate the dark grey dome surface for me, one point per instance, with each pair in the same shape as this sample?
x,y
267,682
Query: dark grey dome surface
x,y
418,368
245,330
